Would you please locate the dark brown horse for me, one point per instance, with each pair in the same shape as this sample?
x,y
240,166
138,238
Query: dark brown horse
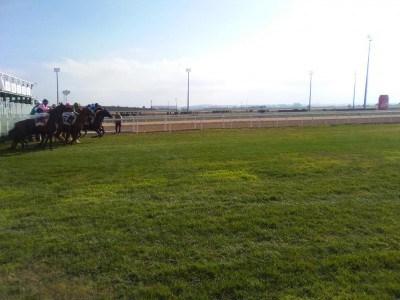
x,y
24,130
55,116
74,130
97,123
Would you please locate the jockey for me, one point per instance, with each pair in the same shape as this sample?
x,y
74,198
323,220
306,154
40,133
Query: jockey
x,y
92,107
35,108
76,107
40,112
68,107
43,107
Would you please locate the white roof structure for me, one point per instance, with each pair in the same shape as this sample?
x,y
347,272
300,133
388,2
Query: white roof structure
x,y
13,85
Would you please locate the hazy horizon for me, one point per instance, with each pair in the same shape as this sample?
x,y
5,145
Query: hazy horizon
x,y
257,52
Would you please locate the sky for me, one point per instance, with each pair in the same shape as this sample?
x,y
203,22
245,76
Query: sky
x,y
241,52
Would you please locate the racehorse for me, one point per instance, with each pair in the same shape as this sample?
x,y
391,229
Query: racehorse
x,y
97,124
23,130
55,116
44,126
74,127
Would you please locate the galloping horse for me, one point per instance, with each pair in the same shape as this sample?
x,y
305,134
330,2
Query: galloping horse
x,y
74,129
97,124
55,116
22,131
26,128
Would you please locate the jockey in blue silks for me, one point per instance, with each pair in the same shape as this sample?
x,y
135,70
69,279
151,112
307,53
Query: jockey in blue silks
x,y
93,107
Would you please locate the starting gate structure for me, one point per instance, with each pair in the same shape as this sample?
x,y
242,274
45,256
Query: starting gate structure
x,y
16,101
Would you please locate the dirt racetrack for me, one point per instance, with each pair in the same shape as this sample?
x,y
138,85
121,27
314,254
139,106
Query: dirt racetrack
x,y
169,125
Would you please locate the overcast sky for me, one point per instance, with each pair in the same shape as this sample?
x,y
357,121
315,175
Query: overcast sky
x,y
240,51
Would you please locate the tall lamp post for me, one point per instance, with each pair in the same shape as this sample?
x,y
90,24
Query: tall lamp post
x,y
188,70
57,70
366,79
311,73
354,91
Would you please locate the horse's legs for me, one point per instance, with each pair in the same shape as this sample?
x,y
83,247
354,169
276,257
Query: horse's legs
x,y
75,133
78,135
67,135
58,133
50,138
43,139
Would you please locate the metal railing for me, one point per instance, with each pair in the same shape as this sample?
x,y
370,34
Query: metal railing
x,y
173,123
252,115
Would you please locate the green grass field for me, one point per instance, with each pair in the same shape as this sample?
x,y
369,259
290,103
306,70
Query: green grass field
x,y
221,214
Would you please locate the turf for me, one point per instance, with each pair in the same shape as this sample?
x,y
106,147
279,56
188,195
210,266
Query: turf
x,y
220,214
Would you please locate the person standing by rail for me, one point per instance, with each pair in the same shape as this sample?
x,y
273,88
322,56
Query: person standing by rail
x,y
118,122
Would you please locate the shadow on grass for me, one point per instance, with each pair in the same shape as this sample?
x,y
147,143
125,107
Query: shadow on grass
x,y
6,151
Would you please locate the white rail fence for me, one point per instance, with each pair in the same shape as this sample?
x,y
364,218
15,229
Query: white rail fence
x,y
169,124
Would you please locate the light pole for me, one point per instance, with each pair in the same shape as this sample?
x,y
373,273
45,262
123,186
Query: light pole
x,y
354,90
366,79
309,98
57,70
188,70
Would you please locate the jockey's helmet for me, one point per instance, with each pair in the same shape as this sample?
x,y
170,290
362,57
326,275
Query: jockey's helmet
x,y
45,101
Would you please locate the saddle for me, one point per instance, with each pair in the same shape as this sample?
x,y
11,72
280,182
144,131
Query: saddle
x,y
41,119
69,118
92,117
